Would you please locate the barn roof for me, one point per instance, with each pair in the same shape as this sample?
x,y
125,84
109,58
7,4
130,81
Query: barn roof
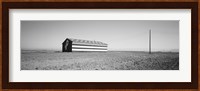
x,y
88,42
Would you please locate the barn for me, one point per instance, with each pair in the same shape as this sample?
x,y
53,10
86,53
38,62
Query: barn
x,y
71,44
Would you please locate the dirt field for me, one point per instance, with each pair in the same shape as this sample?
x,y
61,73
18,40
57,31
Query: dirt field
x,y
37,60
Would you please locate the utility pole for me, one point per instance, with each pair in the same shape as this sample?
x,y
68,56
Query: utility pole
x,y
150,41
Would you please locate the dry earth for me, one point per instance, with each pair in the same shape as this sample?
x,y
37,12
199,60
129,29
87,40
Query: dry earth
x,y
111,60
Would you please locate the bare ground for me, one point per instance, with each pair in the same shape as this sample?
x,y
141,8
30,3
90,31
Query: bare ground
x,y
119,60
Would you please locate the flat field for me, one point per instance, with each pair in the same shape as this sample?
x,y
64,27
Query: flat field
x,y
110,60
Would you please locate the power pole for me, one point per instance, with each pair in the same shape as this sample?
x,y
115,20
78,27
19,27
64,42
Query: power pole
x,y
150,41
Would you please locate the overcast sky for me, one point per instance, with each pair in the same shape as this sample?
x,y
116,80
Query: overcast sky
x,y
120,35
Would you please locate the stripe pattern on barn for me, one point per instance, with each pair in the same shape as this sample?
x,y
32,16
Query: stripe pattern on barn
x,y
71,44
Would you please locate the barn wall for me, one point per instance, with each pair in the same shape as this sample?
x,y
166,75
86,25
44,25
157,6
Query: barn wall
x,y
81,47
68,48
87,50
94,47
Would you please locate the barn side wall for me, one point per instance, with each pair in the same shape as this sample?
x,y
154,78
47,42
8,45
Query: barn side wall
x,y
80,47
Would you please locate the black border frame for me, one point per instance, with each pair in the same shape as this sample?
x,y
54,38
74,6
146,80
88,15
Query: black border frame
x,y
98,85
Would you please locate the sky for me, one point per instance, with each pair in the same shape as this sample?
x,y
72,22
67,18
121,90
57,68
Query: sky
x,y
120,35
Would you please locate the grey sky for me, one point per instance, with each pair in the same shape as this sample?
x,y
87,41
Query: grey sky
x,y
120,35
